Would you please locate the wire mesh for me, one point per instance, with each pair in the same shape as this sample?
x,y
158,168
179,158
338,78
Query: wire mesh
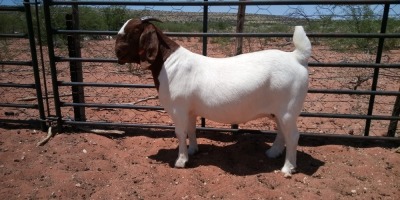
x,y
323,18
19,99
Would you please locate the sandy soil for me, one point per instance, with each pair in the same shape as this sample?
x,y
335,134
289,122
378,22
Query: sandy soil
x,y
138,165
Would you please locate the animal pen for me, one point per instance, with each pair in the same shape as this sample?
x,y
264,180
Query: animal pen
x,y
59,68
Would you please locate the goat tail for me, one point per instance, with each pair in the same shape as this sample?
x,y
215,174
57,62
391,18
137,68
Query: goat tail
x,y
302,44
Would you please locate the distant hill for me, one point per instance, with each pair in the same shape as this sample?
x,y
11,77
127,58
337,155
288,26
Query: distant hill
x,y
170,16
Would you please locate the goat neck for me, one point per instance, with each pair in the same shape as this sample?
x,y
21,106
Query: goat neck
x,y
166,48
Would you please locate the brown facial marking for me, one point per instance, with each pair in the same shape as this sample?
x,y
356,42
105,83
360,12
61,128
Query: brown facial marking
x,y
145,44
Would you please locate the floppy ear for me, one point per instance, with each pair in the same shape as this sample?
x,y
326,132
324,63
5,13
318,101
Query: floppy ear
x,y
148,46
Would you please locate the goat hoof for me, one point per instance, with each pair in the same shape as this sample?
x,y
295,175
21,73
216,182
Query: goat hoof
x,y
192,151
287,172
273,153
180,163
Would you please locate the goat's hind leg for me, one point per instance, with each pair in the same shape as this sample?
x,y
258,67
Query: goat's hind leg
x,y
291,137
193,147
279,143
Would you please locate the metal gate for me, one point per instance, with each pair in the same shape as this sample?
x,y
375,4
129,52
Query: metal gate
x,y
20,83
90,89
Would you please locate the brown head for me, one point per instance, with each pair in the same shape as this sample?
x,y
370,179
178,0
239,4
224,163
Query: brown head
x,y
139,41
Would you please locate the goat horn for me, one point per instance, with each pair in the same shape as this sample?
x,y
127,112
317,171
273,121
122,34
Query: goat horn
x,y
148,19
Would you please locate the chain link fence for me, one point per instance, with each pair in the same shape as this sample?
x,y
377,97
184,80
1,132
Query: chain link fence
x,y
345,53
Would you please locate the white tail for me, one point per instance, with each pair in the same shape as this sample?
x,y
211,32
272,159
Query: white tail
x,y
302,44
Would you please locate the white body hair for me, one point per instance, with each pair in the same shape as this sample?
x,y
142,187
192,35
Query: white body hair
x,y
233,90
269,83
236,90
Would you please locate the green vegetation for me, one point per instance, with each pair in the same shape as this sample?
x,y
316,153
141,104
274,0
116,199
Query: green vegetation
x,y
357,19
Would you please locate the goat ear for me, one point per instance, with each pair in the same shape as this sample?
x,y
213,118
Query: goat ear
x,y
148,46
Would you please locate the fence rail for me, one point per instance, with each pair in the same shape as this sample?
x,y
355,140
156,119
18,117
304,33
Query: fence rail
x,y
70,69
10,108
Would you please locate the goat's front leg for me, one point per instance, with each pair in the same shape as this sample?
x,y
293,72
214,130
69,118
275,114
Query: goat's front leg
x,y
183,157
185,125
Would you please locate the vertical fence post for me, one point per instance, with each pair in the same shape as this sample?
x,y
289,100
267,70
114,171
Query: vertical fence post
x,y
205,41
52,59
35,65
393,123
239,40
75,67
381,41
39,39
239,27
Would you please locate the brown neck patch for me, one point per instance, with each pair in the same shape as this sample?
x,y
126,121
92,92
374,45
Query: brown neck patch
x,y
166,48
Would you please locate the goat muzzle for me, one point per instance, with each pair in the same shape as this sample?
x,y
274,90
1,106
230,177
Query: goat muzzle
x,y
121,62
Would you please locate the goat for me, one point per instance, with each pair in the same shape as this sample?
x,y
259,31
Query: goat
x,y
268,83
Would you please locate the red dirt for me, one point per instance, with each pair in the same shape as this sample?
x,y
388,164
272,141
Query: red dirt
x,y
138,165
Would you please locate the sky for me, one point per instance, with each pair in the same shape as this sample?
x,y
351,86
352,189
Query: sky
x,y
271,10
309,10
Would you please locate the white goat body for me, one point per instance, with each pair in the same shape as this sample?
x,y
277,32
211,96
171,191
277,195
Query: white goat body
x,y
228,90
233,90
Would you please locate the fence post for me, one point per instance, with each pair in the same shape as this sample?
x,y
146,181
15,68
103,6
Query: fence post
x,y
35,65
239,27
75,67
381,41
205,30
52,58
239,40
393,123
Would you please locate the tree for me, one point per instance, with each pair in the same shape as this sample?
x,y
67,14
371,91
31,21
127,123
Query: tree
x,y
115,16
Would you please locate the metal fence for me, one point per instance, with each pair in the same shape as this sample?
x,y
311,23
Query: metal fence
x,y
20,84
354,71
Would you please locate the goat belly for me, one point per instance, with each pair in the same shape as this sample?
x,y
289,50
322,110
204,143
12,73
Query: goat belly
x,y
232,110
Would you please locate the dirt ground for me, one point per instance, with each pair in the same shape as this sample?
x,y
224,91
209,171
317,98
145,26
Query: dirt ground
x,y
138,165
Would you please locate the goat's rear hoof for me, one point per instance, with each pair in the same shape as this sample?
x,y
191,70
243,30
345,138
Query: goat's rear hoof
x,y
273,152
193,151
287,172
180,163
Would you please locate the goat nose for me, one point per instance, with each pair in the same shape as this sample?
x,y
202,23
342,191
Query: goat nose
x,y
118,52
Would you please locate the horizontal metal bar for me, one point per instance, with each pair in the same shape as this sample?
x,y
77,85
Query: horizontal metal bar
x,y
320,91
18,105
13,35
189,34
311,64
122,106
358,92
116,85
110,124
12,8
354,65
26,63
104,60
321,115
267,133
21,121
346,137
223,3
312,35
85,32
349,116
16,85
